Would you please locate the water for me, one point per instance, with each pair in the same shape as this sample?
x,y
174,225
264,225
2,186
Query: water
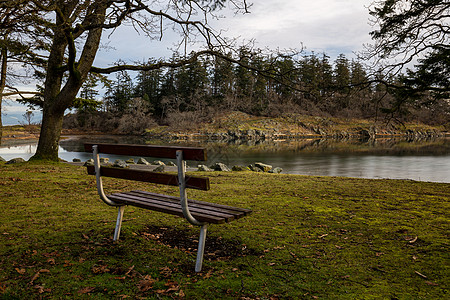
x,y
426,160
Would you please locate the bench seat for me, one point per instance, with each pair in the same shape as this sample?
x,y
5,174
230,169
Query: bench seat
x,y
202,211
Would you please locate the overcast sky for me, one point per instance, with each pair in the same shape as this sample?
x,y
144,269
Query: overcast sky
x,y
329,26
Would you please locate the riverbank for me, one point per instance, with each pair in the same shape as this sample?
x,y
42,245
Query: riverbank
x,y
240,126
308,238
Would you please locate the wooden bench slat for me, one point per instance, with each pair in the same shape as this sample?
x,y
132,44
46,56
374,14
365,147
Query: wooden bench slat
x,y
193,182
204,207
236,211
159,199
165,208
189,153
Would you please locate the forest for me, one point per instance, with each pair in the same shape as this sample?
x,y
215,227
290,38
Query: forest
x,y
258,84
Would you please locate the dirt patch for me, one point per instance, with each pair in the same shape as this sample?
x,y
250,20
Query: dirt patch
x,y
216,248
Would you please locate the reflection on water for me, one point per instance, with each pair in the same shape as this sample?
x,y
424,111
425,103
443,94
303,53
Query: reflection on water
x,y
425,160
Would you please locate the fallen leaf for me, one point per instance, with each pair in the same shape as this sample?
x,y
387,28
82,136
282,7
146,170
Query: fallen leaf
x,y
86,290
129,270
36,276
85,236
165,271
20,271
146,283
41,290
181,294
323,235
51,261
413,240
100,269
420,274
431,283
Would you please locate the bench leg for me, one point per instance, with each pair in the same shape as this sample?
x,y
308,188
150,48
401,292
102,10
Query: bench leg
x,y
119,222
201,248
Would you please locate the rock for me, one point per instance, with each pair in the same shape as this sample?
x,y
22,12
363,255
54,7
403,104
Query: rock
x,y
203,168
89,162
119,163
254,169
171,164
2,159
104,160
160,169
220,167
15,161
76,160
263,167
158,163
130,161
142,161
240,168
276,170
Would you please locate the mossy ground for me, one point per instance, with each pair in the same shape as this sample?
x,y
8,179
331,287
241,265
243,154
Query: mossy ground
x,y
308,238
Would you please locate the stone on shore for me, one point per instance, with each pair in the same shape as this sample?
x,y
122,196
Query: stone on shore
x,y
203,168
158,163
160,169
254,168
130,161
220,167
77,160
119,163
15,161
276,170
240,168
263,167
142,161
89,162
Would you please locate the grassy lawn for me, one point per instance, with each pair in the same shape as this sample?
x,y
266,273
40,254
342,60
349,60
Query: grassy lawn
x,y
308,238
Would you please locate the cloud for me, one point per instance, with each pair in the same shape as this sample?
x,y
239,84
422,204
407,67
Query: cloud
x,y
330,26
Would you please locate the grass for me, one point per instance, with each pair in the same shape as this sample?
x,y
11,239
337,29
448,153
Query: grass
x,y
308,238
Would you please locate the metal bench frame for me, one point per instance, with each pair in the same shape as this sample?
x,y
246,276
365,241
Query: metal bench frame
x,y
181,176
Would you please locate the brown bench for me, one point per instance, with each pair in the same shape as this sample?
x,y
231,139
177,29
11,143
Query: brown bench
x,y
196,212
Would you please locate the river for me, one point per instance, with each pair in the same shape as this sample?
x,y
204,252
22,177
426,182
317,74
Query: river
x,y
423,160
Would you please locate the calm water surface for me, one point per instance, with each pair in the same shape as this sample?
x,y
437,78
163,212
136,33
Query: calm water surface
x,y
426,160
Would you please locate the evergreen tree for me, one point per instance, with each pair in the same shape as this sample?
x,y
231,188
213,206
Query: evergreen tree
x,y
342,81
120,93
148,87
222,79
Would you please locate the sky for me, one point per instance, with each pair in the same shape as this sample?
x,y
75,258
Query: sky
x,y
323,26
330,26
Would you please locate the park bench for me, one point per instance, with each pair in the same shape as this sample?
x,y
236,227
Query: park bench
x,y
198,213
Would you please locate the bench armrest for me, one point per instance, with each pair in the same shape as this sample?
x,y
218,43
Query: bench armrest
x,y
182,184
98,177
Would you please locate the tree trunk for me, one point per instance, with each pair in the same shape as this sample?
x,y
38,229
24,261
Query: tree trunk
x,y
57,99
50,134
3,58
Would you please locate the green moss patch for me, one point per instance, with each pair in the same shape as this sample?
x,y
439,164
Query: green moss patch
x,y
308,238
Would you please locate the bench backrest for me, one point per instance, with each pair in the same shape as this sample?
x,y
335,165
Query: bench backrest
x,y
189,153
